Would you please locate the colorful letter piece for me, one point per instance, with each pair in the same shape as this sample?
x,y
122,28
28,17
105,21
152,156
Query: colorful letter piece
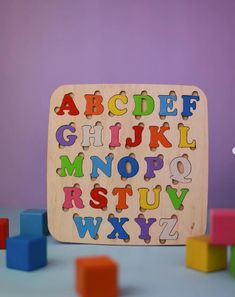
x,y
168,225
177,175
144,227
34,222
122,196
105,167
26,252
115,129
100,200
184,143
176,199
166,105
222,227
94,104
87,225
153,163
122,167
96,276
72,198
138,137
188,104
68,105
118,228
89,133
232,261
112,106
60,135
68,168
139,102
143,200
203,256
4,232
157,135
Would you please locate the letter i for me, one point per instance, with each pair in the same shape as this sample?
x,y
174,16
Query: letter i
x,y
115,135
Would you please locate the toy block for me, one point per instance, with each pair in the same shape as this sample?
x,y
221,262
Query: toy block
x,y
232,261
96,276
203,256
26,252
34,222
222,228
4,232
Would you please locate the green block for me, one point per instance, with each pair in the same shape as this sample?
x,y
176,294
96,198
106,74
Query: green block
x,y
232,261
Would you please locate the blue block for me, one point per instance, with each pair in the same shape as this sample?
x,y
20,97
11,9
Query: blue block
x,y
34,222
26,252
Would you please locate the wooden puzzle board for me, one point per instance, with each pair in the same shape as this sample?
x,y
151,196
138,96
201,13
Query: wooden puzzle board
x,y
171,220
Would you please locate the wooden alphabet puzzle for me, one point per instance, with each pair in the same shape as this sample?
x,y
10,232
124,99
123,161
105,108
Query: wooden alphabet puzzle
x,y
127,164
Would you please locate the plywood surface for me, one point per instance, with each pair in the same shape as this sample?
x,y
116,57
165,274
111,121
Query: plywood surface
x,y
173,224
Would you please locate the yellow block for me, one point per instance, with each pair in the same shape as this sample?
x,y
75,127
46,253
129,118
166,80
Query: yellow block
x,y
203,256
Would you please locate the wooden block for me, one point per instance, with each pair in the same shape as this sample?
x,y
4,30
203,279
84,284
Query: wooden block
x,y
34,222
203,256
232,261
96,277
222,226
26,252
127,164
4,232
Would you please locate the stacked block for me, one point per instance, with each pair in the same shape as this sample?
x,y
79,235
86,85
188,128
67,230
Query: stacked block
x,y
34,222
202,256
96,277
223,231
208,253
222,227
26,252
4,232
232,261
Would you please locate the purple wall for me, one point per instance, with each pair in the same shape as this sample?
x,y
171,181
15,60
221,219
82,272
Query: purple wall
x,y
47,43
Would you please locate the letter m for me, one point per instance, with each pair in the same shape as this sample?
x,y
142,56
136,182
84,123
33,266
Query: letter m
x,y
75,167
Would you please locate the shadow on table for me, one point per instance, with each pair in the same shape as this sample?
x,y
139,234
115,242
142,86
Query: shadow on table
x,y
129,291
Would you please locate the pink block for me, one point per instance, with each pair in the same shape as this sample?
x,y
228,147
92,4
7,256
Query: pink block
x,y
222,226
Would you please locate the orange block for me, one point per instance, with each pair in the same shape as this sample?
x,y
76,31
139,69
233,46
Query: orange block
x,y
96,277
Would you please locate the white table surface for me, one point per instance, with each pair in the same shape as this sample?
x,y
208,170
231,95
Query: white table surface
x,y
144,271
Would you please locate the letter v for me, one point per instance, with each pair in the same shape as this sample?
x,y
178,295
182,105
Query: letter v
x,y
176,200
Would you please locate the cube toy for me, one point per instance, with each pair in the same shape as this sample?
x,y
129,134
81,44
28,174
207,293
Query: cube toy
x,y
34,222
96,277
222,228
4,232
203,256
232,261
26,252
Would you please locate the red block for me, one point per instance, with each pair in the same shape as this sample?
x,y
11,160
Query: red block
x,y
96,277
222,226
4,232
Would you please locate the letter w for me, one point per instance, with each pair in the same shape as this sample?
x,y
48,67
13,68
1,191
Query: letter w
x,y
88,225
